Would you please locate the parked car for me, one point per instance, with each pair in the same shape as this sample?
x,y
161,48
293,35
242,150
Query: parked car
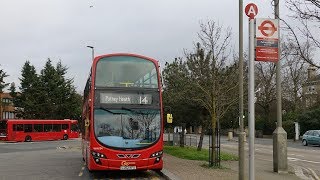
x,y
311,137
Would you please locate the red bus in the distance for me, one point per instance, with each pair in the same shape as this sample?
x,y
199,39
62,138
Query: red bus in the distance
x,y
122,122
37,130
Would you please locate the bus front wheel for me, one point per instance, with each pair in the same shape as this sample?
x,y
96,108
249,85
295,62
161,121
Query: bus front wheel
x,y
28,139
65,137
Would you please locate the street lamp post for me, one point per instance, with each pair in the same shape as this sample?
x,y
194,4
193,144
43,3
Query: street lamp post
x,y
92,48
280,160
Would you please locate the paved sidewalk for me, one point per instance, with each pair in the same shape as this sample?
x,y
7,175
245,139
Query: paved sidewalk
x,y
181,169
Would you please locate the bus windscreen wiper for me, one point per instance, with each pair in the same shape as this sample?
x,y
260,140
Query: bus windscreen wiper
x,y
134,111
107,110
128,109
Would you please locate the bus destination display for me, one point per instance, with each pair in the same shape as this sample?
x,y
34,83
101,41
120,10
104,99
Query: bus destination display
x,y
125,98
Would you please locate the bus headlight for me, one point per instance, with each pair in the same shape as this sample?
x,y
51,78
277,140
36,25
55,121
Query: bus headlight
x,y
98,155
156,154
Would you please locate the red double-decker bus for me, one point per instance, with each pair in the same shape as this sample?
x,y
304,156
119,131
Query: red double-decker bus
x,y
38,130
122,122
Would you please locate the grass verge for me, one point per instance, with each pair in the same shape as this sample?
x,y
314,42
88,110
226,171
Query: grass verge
x,y
191,153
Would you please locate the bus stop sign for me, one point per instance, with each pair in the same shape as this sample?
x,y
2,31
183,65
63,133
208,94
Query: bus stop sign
x,y
267,40
251,10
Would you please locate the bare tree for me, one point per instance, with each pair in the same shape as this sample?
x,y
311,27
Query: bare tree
x,y
265,88
214,81
307,14
294,74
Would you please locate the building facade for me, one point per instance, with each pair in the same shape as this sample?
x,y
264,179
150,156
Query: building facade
x,y
311,88
7,108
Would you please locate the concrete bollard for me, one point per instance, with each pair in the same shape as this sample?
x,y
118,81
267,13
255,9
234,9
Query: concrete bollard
x,y
230,135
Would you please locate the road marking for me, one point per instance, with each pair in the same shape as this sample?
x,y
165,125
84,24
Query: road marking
x,y
298,171
296,155
297,159
292,159
81,171
314,174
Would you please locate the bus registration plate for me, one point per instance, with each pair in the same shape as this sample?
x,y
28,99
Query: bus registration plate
x,y
128,167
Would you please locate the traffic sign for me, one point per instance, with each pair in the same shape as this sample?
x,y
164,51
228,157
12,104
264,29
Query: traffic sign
x,y
267,40
169,118
251,10
267,28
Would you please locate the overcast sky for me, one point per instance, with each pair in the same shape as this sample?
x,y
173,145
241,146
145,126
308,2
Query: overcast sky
x,y
36,30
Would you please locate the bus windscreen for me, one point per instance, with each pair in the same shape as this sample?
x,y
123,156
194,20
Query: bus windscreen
x,y
127,128
126,71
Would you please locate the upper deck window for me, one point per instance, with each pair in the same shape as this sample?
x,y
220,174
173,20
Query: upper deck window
x,y
126,71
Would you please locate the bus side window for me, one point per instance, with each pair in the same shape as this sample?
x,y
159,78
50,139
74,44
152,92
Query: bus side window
x,y
65,126
56,128
19,127
38,127
47,127
14,127
28,128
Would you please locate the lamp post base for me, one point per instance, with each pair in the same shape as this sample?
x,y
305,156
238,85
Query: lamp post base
x,y
280,160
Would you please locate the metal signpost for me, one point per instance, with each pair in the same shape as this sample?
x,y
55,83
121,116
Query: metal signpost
x,y
251,11
242,134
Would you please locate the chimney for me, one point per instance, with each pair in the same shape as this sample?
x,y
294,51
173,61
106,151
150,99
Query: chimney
x,y
312,72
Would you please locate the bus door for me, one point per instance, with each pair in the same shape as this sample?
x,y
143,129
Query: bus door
x,y
13,131
74,131
3,130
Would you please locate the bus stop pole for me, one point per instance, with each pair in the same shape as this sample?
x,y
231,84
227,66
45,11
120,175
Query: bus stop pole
x,y
251,100
241,124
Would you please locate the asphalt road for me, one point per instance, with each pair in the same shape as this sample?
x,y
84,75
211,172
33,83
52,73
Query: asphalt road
x,y
53,160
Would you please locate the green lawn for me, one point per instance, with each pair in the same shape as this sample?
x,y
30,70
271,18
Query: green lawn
x,y
192,153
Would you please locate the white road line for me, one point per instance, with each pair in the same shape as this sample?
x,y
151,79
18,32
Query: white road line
x,y
297,159
308,172
296,155
298,171
314,174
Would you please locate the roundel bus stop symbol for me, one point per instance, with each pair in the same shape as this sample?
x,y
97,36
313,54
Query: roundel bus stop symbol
x,y
251,10
267,28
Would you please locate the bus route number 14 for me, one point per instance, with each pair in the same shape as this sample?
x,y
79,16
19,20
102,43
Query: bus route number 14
x,y
143,100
